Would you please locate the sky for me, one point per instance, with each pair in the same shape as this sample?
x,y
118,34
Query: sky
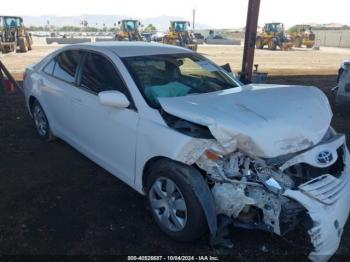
x,y
216,13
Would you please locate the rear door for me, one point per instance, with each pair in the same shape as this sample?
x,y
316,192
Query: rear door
x,y
56,83
106,134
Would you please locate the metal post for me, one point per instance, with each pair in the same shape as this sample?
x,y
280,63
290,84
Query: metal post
x,y
193,19
249,41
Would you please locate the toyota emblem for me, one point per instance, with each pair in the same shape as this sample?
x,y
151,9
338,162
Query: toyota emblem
x,y
324,157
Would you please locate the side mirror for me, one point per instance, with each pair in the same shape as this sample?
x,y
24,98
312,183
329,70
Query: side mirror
x,y
113,99
227,68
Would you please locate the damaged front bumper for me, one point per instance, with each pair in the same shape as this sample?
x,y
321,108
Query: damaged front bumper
x,y
281,191
327,201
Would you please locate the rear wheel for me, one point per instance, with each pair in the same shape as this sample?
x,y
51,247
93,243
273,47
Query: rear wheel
x,y
174,205
41,122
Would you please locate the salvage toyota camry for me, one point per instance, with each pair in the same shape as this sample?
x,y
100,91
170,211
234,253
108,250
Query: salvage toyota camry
x,y
203,147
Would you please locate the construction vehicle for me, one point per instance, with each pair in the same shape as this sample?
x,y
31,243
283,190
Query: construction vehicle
x,y
13,34
273,35
180,35
129,30
302,35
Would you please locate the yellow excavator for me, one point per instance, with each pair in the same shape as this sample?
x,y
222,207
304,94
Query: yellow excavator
x,y
179,34
273,35
129,30
302,35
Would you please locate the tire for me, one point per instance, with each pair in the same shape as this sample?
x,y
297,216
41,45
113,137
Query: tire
x,y
272,44
179,214
29,42
41,123
22,45
259,43
298,41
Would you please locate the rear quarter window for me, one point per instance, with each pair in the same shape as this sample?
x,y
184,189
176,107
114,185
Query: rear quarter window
x,y
50,67
66,65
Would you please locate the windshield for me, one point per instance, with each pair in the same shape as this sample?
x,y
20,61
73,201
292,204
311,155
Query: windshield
x,y
12,22
130,25
176,75
180,26
276,28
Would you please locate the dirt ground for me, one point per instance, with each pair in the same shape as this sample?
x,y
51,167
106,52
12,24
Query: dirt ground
x,y
53,200
299,61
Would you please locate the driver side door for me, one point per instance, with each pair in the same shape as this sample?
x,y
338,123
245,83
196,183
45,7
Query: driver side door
x,y
106,134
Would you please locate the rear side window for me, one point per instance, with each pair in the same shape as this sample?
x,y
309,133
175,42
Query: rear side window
x,y
66,65
99,74
49,67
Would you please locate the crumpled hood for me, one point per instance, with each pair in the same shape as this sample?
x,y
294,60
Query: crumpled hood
x,y
263,120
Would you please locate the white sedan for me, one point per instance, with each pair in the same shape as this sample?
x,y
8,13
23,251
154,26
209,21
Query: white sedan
x,y
203,148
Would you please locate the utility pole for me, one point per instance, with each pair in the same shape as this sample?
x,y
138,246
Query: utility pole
x,y
249,40
193,18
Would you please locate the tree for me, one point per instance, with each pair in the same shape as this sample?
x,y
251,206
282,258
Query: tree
x,y
150,29
69,28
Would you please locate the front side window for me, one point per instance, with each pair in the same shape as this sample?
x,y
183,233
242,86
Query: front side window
x,y
99,74
66,65
176,75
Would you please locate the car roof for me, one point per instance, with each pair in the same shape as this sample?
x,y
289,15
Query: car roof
x,y
129,49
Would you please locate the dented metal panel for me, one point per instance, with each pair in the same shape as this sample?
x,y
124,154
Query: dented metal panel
x,y
265,121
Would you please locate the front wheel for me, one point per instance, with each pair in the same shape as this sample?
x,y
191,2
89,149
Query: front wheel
x,y
298,41
259,43
272,44
174,205
22,45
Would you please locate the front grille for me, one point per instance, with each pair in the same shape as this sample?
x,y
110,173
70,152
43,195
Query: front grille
x,y
327,189
302,173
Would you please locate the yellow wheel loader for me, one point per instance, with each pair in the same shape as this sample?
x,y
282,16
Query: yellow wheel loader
x,y
273,35
302,35
179,34
129,30
13,34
